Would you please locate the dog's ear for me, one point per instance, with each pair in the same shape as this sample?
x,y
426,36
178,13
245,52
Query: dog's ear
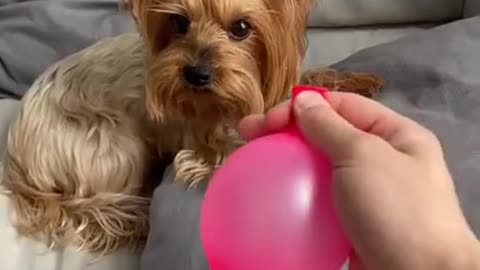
x,y
132,7
285,46
146,18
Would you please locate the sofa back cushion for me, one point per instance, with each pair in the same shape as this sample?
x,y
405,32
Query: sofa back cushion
x,y
340,13
472,8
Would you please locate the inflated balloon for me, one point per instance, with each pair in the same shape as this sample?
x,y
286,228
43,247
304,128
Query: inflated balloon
x,y
270,207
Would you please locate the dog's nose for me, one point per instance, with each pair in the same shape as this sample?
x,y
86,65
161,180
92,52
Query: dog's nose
x,y
199,75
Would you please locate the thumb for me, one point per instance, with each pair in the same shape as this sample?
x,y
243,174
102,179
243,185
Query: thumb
x,y
322,126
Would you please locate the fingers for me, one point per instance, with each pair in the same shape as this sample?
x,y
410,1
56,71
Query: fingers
x,y
279,117
324,127
368,115
342,121
252,126
404,134
351,118
276,119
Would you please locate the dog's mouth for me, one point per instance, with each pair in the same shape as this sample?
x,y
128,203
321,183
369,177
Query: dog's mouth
x,y
206,105
199,107
195,91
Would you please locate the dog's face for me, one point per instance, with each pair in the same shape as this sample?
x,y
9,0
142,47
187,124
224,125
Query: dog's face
x,y
214,61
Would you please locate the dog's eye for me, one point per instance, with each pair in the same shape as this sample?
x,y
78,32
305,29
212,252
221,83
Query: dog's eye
x,y
240,30
180,24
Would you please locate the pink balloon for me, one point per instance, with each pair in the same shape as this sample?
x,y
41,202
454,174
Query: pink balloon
x,y
270,207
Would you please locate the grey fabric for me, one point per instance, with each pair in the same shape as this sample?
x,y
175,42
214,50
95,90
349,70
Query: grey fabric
x,y
330,45
472,8
374,12
174,239
34,34
433,77
8,108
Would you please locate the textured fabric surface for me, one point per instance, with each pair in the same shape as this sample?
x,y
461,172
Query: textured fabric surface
x,y
433,77
34,34
174,239
8,108
472,7
330,45
371,12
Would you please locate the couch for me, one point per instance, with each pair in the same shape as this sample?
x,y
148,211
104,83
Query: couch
x,y
34,34
342,27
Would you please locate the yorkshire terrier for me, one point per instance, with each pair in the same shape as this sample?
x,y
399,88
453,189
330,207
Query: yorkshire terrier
x,y
89,128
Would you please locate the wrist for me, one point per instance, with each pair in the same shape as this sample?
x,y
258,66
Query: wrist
x,y
461,257
470,259
459,251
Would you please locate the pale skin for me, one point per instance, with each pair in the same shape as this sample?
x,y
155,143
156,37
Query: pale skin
x,y
393,192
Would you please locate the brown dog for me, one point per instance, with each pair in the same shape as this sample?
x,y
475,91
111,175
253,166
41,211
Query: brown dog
x,y
84,139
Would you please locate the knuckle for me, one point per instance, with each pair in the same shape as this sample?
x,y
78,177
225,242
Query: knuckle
x,y
310,116
427,138
431,137
432,140
362,146
315,113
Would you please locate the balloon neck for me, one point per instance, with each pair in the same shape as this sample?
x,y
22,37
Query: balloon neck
x,y
302,88
293,128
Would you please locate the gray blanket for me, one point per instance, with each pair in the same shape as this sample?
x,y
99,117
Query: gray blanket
x,y
433,77
34,34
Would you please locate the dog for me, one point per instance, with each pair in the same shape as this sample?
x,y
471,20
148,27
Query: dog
x,y
93,124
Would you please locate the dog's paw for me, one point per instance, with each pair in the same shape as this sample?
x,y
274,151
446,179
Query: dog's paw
x,y
192,169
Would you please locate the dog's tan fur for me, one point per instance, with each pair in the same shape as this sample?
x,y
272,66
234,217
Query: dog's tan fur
x,y
80,148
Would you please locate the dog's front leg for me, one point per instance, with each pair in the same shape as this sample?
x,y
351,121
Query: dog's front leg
x,y
192,168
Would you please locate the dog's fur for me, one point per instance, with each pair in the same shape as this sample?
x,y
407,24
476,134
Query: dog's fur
x,y
89,127
78,150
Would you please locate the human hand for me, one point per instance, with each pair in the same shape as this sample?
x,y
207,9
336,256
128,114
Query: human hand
x,y
393,192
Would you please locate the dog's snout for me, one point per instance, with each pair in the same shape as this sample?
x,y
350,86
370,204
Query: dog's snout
x,y
198,75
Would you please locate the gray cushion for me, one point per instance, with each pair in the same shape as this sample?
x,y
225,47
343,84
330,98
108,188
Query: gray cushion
x,y
8,108
330,45
472,8
174,239
370,12
433,77
34,34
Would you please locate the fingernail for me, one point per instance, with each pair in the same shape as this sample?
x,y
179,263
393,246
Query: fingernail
x,y
309,99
